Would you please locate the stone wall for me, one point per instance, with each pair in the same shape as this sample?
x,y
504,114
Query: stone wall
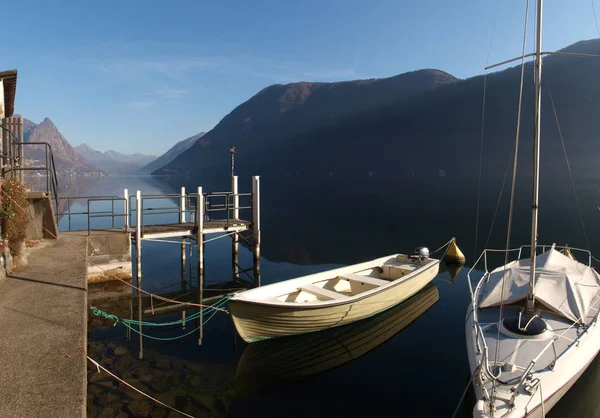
x,y
8,263
42,211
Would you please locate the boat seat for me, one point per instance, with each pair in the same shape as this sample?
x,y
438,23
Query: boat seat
x,y
393,272
319,291
364,279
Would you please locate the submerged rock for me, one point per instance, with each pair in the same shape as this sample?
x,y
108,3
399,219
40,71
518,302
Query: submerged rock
x,y
121,351
140,408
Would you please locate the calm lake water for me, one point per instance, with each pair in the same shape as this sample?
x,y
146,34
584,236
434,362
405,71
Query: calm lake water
x,y
410,361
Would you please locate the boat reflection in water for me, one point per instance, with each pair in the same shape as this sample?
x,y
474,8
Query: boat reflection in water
x,y
275,363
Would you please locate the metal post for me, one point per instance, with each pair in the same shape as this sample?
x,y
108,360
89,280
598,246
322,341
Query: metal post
x,y
138,259
182,206
183,261
47,171
128,331
200,244
232,151
126,209
183,276
235,239
536,156
20,139
256,227
235,196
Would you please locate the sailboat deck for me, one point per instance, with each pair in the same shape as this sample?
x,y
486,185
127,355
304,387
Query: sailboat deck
x,y
520,351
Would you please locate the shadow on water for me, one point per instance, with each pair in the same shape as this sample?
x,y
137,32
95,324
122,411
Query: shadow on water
x,y
311,225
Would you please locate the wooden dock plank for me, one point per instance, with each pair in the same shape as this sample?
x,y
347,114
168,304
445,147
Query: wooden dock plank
x,y
189,228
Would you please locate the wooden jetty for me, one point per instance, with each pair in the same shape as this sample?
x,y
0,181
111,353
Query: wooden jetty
x,y
202,217
199,207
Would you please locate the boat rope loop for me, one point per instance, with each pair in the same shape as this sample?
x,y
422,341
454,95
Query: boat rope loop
x,y
90,262
98,367
512,193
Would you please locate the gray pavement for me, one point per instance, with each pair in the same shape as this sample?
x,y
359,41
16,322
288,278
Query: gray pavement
x,y
43,325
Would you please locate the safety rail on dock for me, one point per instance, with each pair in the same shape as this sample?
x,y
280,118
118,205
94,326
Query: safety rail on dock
x,y
221,212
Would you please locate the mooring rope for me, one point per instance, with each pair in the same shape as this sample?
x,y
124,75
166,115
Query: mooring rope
x,y
125,321
109,274
178,337
465,391
443,246
99,366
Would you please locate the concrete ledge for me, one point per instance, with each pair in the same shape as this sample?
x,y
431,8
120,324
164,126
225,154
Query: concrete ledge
x,y
43,343
109,253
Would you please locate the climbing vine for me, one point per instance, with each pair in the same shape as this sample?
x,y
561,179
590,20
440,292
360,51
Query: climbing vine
x,y
14,214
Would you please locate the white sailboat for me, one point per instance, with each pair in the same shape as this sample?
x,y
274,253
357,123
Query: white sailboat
x,y
531,327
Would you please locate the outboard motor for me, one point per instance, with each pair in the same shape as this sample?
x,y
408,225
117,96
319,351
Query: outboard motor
x,y
420,253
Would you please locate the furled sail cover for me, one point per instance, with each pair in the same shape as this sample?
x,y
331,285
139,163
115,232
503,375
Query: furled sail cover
x,y
561,284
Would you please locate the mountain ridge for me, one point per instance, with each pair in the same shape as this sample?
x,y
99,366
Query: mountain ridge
x,y
279,112
418,133
171,153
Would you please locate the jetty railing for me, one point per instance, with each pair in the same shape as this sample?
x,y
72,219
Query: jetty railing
x,y
221,206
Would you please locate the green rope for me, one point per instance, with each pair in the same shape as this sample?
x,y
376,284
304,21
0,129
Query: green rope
x,y
100,312
131,322
143,334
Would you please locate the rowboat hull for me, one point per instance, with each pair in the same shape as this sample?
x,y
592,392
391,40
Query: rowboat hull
x,y
278,362
257,321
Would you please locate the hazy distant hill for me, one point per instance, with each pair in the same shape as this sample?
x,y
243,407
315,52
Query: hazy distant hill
x,y
171,154
414,124
280,112
114,162
66,159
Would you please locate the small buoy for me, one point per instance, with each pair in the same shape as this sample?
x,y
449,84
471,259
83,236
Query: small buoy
x,y
454,255
568,253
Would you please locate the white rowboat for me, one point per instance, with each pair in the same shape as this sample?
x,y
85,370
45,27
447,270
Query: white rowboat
x,y
329,298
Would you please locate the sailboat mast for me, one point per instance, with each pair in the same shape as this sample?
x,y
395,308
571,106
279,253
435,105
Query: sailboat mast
x,y
536,153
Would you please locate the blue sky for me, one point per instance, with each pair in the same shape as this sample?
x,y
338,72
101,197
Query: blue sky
x,y
141,75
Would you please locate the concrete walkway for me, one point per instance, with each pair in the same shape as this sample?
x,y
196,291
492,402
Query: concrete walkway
x,y
43,325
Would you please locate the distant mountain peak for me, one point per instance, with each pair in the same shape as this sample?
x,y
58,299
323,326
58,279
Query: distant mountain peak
x,y
83,147
114,162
